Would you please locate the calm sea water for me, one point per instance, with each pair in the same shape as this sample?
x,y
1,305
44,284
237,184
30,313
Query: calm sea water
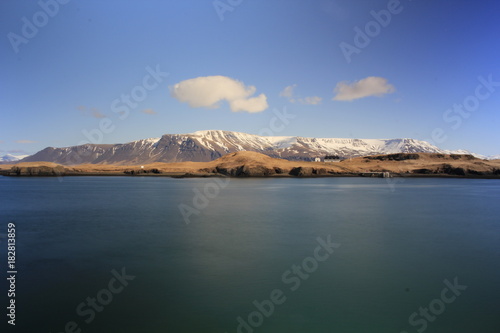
x,y
396,245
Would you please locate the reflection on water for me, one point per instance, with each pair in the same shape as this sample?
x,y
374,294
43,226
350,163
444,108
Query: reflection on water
x,y
398,245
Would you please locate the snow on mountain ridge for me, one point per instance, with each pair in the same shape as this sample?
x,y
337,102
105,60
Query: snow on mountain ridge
x,y
151,140
281,142
342,146
12,158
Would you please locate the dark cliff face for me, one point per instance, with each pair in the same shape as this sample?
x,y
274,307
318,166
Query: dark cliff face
x,y
394,157
39,171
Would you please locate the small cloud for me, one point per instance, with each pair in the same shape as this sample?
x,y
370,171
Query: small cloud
x,y
288,91
25,141
98,115
149,111
313,100
289,94
370,86
209,91
93,112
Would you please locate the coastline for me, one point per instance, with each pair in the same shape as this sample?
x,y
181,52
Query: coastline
x,y
248,177
247,164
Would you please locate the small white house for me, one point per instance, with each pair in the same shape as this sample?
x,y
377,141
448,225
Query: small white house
x,y
317,159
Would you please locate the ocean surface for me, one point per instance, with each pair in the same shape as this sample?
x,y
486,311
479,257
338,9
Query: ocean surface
x,y
154,254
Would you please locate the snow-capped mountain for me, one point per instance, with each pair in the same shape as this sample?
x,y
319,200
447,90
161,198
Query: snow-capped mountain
x,y
209,145
12,158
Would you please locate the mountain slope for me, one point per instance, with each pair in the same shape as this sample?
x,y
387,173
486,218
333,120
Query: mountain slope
x,y
203,146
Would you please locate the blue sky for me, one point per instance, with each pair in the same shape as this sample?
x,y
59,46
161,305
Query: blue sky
x,y
69,76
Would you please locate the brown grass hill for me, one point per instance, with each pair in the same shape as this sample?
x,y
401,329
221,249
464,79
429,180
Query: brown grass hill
x,y
253,164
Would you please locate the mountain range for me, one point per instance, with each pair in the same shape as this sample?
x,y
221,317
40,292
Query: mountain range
x,y
204,146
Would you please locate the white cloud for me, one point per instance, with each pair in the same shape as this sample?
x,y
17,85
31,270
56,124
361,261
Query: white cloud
x,y
209,91
253,104
289,94
370,86
313,100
